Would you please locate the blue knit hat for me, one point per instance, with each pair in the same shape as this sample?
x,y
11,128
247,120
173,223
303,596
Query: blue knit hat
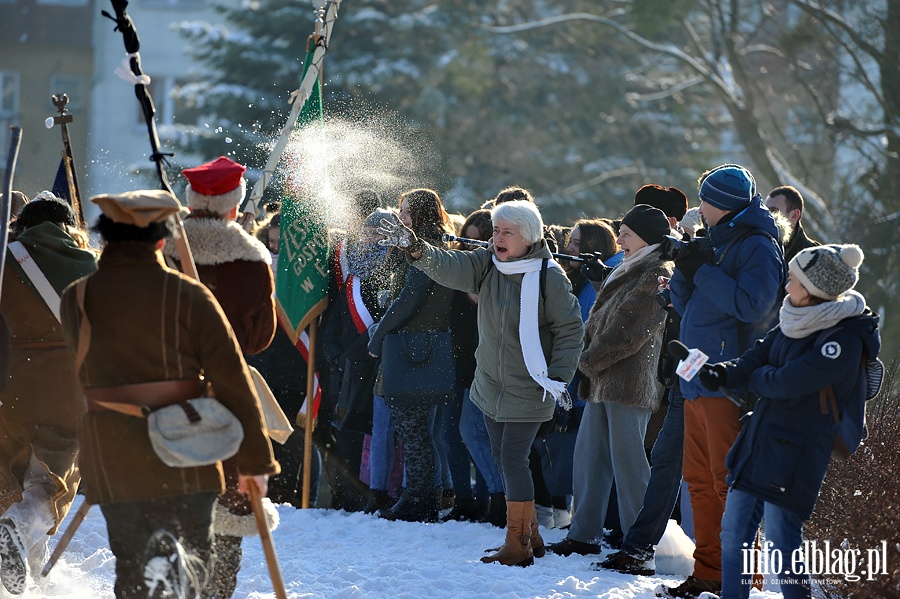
x,y
728,187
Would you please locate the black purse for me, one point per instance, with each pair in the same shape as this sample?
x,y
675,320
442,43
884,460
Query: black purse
x,y
418,365
353,411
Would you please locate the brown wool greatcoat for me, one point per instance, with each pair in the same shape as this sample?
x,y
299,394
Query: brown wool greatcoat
x,y
623,338
41,405
150,323
235,267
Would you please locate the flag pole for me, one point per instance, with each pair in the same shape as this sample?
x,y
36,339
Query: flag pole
x,y
15,141
60,101
309,416
324,24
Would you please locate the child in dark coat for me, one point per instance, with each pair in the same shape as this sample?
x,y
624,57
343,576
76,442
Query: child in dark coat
x,y
778,462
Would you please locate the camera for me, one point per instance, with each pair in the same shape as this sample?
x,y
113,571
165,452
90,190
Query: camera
x,y
673,248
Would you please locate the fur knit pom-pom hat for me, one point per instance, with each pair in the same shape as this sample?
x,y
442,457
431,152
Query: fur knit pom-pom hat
x,y
827,271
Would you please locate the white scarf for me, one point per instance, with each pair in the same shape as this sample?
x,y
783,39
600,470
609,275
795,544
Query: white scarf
x,y
797,323
629,261
529,337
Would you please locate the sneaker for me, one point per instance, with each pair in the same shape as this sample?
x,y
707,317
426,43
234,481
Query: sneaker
x,y
13,568
626,564
561,518
692,588
569,546
544,516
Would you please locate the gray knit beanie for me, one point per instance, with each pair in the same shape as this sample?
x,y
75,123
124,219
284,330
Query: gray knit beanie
x,y
827,271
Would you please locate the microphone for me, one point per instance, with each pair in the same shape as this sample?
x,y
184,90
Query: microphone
x,y
680,351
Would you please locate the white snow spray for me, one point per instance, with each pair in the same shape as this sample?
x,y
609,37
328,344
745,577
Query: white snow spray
x,y
326,164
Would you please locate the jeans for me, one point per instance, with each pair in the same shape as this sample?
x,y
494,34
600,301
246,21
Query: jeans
x,y
783,535
457,456
474,434
381,450
665,480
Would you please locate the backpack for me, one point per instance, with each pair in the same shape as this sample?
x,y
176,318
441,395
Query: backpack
x,y
850,412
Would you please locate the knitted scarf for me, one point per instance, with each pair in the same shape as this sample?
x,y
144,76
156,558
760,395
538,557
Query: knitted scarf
x,y
529,337
798,323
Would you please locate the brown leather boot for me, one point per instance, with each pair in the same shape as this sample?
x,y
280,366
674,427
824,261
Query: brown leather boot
x,y
537,543
516,550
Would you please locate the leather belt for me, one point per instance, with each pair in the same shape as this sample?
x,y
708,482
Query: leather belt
x,y
141,398
38,344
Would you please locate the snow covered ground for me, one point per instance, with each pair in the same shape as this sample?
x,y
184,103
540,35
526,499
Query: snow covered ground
x,y
326,553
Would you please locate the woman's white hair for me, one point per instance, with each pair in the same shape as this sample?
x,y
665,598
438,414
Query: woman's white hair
x,y
524,215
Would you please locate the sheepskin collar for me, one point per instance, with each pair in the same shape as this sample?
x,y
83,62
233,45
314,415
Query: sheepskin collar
x,y
216,241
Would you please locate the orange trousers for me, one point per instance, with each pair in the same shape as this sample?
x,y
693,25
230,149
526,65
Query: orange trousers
x,y
711,425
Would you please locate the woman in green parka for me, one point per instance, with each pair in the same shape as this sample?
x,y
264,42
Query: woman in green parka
x,y
530,340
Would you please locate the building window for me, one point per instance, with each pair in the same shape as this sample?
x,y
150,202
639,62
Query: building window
x,y
9,93
63,2
184,109
172,108
72,86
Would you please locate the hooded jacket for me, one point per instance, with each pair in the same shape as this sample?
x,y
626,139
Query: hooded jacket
x,y
735,300
783,450
41,406
502,387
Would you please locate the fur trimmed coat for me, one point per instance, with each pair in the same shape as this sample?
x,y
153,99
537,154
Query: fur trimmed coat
x,y
623,338
235,267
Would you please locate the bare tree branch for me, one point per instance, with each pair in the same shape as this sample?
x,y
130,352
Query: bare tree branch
x,y
827,15
666,93
668,49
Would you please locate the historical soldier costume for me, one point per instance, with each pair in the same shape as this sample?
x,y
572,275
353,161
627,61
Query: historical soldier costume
x,y
40,407
151,333
235,267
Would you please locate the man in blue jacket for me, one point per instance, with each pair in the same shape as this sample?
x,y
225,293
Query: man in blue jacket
x,y
727,290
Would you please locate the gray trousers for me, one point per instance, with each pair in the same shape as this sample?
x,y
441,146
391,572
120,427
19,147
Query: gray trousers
x,y
511,446
609,446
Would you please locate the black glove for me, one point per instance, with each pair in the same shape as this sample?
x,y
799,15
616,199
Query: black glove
x,y
713,377
696,254
593,268
397,234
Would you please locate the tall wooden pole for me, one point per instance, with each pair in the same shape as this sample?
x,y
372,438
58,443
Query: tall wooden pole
x,y
310,422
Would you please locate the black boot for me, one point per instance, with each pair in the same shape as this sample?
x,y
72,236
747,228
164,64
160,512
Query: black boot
x,y
414,507
465,510
497,512
378,500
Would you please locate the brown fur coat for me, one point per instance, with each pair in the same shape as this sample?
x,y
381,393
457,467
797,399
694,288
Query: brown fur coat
x,y
623,338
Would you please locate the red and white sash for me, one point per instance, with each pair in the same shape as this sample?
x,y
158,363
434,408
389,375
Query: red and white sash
x,y
360,314
341,268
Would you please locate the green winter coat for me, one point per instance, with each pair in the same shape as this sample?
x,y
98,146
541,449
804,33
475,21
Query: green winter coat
x,y
502,388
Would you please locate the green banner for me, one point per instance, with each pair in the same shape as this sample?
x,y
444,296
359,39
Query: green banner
x,y
301,282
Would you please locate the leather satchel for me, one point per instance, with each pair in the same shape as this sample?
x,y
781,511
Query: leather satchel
x,y
418,365
195,432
